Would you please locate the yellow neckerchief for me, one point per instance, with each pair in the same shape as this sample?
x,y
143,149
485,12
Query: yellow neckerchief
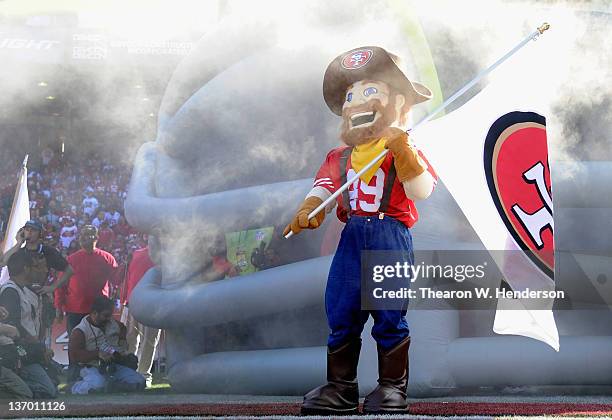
x,y
364,154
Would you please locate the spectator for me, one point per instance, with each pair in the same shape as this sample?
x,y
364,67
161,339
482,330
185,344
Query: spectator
x,y
97,345
93,268
68,215
59,193
35,203
106,237
142,339
43,257
100,218
24,309
52,215
114,216
68,232
122,228
11,385
51,236
90,203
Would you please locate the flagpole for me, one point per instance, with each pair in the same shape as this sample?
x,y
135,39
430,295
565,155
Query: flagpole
x,y
24,167
532,36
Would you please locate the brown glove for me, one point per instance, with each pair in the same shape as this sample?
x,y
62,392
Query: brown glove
x,y
408,163
300,220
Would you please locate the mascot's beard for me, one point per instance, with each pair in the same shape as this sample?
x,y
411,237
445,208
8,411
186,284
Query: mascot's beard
x,y
362,135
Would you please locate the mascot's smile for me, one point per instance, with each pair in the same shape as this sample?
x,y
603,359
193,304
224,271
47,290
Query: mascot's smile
x,y
362,118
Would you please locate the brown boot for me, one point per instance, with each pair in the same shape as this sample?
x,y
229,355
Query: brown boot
x,y
341,394
390,394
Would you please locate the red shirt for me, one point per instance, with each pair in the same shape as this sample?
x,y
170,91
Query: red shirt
x,y
122,229
222,266
365,199
140,264
105,238
91,273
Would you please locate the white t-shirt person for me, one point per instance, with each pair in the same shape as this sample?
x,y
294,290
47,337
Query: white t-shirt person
x,y
67,235
90,205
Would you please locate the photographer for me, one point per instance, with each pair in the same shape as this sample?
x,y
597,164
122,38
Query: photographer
x,y
11,385
43,257
24,311
98,347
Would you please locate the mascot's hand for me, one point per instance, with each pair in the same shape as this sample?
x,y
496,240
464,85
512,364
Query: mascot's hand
x,y
408,163
396,139
300,220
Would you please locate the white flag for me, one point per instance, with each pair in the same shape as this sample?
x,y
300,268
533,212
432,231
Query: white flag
x,y
492,155
20,214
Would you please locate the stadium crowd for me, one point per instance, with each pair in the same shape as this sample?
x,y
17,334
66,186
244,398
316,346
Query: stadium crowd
x,y
77,231
65,195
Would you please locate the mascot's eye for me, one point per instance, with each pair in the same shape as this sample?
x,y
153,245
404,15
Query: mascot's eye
x,y
370,91
349,97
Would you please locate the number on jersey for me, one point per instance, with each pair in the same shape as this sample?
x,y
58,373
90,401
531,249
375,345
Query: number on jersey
x,y
366,197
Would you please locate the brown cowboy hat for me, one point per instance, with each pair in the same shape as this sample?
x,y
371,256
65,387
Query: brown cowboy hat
x,y
368,63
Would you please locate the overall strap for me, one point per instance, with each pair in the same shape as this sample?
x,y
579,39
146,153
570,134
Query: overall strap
x,y
345,195
389,181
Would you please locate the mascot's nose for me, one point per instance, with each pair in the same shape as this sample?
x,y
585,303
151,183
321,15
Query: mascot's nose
x,y
358,99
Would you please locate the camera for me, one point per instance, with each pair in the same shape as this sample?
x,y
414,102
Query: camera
x,y
107,367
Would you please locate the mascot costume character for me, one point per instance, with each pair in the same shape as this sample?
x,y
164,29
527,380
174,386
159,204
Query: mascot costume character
x,y
367,88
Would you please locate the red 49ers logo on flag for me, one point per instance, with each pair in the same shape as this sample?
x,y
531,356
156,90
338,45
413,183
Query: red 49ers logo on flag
x,y
518,177
356,59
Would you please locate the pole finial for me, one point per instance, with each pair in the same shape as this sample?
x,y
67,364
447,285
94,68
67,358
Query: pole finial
x,y
545,26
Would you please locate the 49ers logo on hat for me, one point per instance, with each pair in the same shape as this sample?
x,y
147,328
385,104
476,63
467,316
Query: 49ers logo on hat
x,y
518,177
356,59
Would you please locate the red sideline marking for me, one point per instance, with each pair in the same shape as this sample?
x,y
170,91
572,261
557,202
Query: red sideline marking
x,y
280,409
506,408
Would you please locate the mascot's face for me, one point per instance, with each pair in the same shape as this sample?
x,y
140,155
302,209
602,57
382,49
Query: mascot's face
x,y
370,107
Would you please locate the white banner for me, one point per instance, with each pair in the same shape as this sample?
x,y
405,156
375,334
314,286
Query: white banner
x,y
492,155
20,214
